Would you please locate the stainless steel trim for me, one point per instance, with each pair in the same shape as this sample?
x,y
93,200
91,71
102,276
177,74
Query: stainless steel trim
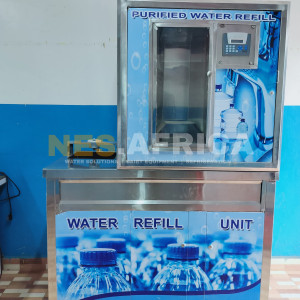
x,y
51,234
152,181
204,4
281,86
122,82
152,206
225,166
161,193
62,171
111,203
268,196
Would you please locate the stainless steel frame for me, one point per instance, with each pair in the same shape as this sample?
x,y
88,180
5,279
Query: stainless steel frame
x,y
144,190
282,6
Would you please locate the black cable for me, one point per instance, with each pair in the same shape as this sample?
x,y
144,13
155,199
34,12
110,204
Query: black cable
x,y
9,198
9,201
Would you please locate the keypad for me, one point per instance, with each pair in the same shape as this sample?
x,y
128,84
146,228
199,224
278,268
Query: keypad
x,y
232,49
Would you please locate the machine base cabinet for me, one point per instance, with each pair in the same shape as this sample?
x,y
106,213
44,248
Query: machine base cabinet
x,y
159,255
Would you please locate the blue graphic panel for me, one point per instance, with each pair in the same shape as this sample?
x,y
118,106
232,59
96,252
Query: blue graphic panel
x,y
118,254
244,105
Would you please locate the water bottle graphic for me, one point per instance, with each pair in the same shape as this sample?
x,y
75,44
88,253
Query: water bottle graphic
x,y
222,103
67,263
242,130
233,133
230,118
119,244
244,100
139,248
256,256
236,270
182,272
154,262
208,252
99,275
138,253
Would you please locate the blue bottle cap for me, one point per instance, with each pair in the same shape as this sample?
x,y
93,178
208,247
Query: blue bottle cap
x,y
231,105
202,238
98,257
163,240
237,248
221,236
66,241
183,252
219,87
113,243
135,241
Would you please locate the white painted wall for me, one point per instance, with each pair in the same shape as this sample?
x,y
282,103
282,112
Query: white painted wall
x,y
65,52
58,52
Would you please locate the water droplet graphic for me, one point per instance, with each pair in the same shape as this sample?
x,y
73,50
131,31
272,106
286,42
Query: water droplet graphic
x,y
135,61
145,68
203,229
144,102
145,26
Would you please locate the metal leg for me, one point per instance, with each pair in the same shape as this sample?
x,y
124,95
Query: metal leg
x,y
268,197
51,208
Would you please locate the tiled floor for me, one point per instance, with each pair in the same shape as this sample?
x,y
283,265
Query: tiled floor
x,y
285,279
20,285
16,284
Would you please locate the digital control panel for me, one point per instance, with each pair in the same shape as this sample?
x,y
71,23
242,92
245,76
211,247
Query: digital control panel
x,y
236,44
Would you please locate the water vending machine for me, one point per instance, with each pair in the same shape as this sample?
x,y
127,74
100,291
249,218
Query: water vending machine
x,y
185,211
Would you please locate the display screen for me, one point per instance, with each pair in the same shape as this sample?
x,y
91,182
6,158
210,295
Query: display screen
x,y
237,41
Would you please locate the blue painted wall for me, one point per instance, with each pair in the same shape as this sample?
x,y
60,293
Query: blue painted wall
x,y
286,241
24,134
24,153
